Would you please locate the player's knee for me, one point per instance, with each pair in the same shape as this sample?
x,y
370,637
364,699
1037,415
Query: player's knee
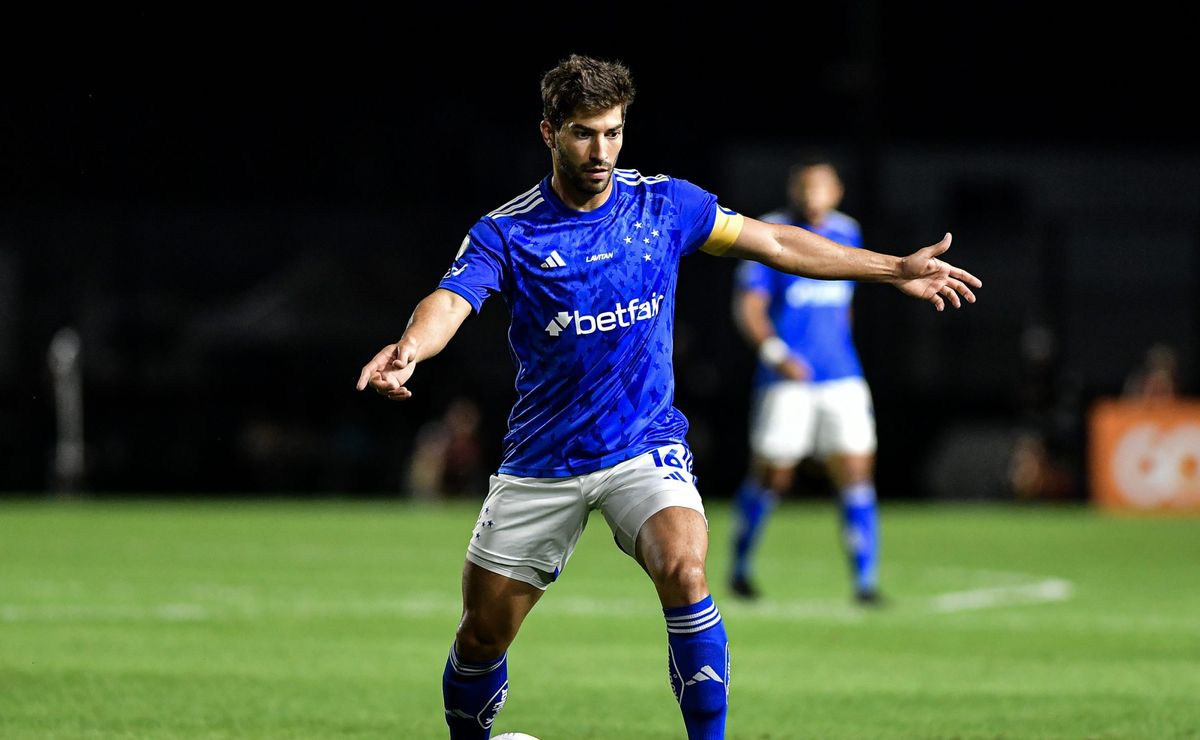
x,y
777,480
683,575
477,640
852,470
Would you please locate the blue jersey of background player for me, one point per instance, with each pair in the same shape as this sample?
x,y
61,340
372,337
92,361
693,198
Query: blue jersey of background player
x,y
810,397
586,261
811,316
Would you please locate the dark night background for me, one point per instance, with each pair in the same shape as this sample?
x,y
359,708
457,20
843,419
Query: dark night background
x,y
235,213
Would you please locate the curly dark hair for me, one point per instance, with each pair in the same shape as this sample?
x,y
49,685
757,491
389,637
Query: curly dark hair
x,y
584,84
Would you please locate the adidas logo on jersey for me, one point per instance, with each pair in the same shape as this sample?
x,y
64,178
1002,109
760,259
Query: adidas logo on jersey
x,y
554,260
621,316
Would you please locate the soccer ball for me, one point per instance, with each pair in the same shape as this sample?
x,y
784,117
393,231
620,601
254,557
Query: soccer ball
x,y
514,736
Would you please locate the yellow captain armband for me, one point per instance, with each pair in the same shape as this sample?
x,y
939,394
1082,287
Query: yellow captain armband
x,y
725,230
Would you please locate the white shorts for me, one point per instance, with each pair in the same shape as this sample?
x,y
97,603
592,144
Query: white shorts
x,y
528,527
793,420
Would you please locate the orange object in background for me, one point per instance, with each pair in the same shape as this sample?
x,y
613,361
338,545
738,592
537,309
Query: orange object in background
x,y
1145,456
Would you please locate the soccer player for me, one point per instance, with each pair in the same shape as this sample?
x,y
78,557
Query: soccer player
x,y
810,395
587,261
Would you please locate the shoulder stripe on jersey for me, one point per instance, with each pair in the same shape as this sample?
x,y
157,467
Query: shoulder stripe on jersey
x,y
519,211
518,201
522,196
631,172
633,177
647,180
507,210
724,232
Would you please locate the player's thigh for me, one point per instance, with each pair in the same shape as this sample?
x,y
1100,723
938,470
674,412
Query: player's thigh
x,y
846,424
674,538
528,528
782,423
637,489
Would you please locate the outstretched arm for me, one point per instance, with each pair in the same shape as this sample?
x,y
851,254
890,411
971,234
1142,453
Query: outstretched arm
x,y
798,251
434,321
753,319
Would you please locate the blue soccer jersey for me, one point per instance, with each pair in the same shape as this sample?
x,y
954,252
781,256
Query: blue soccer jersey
x,y
812,316
591,297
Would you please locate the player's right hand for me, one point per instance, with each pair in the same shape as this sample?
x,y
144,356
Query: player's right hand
x,y
389,370
793,368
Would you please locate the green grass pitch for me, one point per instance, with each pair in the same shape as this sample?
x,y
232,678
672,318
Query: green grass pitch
x,y
333,619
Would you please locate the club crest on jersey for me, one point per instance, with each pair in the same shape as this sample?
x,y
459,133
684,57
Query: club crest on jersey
x,y
622,315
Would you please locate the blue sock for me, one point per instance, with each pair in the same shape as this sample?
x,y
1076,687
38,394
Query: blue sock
x,y
698,661
474,693
752,506
861,529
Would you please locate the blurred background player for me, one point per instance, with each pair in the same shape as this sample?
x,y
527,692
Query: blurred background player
x,y
447,458
1157,377
810,395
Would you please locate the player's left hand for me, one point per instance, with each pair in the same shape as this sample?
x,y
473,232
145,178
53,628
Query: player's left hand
x,y
924,276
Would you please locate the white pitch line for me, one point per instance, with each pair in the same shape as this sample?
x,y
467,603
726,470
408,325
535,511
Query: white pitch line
x,y
244,605
426,605
1047,591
